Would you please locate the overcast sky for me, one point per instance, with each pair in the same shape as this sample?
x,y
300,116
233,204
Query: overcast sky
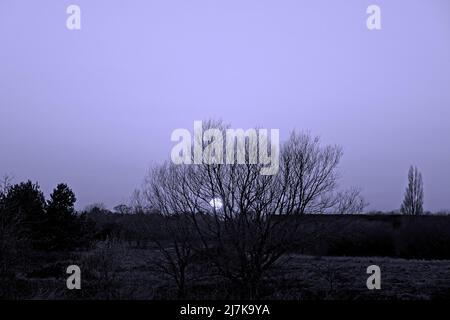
x,y
95,107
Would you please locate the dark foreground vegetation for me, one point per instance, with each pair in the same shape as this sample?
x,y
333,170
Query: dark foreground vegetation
x,y
131,254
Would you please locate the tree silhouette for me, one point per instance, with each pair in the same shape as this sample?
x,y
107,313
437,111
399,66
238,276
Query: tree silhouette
x,y
25,202
259,219
62,227
413,201
62,199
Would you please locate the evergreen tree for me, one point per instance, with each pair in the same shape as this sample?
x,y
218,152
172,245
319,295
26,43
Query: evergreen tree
x,y
25,204
62,228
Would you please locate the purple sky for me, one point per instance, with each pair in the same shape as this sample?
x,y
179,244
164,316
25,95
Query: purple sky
x,y
94,108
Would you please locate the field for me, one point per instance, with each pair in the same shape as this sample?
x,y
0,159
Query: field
x,y
123,272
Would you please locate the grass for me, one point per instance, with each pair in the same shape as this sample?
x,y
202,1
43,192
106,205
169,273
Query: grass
x,y
122,272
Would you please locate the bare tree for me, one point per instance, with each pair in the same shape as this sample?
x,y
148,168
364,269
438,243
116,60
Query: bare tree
x,y
137,202
176,252
5,184
413,200
350,202
309,173
164,190
122,209
257,221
